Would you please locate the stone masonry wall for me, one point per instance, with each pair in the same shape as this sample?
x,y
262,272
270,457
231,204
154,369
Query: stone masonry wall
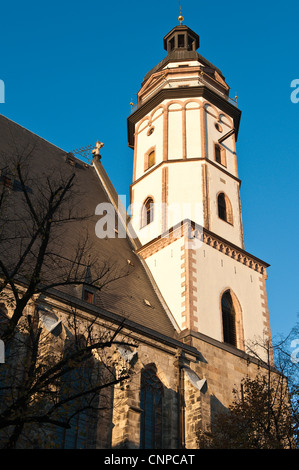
x,y
223,367
127,411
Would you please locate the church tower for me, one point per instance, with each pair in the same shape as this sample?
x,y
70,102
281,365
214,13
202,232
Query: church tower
x,y
185,197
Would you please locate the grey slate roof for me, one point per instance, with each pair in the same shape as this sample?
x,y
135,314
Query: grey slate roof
x,y
124,296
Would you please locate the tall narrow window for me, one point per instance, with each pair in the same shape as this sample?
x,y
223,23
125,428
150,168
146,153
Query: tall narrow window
x,y
80,407
151,397
222,213
190,43
217,154
171,43
228,319
147,212
225,208
181,40
151,159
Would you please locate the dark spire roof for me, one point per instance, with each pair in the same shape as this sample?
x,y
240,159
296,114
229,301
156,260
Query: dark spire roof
x,y
181,43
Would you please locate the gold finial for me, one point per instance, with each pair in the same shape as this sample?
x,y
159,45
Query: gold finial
x,y
180,18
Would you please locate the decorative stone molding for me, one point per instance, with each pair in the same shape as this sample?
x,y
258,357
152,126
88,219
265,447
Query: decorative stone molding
x,y
209,238
189,285
234,252
265,313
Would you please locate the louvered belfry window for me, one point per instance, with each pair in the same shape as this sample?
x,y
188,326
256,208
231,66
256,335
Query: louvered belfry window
x,y
151,398
228,319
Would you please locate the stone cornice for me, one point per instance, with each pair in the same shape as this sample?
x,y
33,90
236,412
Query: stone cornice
x,y
190,92
192,338
210,239
235,252
185,160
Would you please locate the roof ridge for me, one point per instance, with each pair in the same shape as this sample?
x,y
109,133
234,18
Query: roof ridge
x,y
31,132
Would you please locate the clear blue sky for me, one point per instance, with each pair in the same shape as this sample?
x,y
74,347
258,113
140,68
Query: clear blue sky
x,y
71,69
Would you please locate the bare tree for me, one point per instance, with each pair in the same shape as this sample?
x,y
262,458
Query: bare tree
x,y
41,246
287,361
45,245
54,375
260,416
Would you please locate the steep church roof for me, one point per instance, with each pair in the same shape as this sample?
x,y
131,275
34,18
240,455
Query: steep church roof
x,y
130,291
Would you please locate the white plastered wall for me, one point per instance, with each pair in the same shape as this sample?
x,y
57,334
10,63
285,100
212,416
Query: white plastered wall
x,y
172,65
151,186
184,198
217,272
212,116
175,131
218,183
193,130
145,142
185,192
166,269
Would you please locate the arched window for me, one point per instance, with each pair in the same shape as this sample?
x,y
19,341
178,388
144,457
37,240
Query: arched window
x,y
149,159
224,208
220,156
79,407
228,319
151,401
232,322
217,154
147,212
222,213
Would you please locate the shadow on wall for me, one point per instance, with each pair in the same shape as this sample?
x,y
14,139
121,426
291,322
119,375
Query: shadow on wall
x,y
216,407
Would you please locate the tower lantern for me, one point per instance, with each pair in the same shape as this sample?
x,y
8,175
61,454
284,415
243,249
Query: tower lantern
x,y
181,38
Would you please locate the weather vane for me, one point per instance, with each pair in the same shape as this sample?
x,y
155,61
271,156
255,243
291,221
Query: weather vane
x,y
180,18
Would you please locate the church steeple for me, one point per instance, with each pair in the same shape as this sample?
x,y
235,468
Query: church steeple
x,y
178,102
185,194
